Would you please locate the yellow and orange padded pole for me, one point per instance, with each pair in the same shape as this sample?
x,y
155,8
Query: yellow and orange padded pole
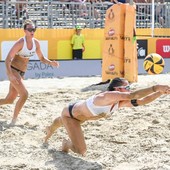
x,y
130,55
118,30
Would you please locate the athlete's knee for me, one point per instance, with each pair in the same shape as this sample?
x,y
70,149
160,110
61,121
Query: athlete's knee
x,y
64,113
24,95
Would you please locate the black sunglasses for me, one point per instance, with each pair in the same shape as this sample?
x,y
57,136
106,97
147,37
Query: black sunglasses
x,y
31,29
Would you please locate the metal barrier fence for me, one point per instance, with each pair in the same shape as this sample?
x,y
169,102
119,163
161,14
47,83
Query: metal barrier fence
x,y
55,14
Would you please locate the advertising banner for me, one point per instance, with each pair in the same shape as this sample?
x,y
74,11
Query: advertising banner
x,y
163,47
55,43
142,50
68,68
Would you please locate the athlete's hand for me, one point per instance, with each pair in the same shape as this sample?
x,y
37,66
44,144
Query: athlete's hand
x,y
167,91
164,89
54,63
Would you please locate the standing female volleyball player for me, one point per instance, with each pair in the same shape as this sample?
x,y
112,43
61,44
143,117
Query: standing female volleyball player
x,y
16,65
98,106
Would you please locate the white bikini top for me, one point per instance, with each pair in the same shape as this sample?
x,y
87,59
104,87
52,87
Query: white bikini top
x,y
96,110
25,52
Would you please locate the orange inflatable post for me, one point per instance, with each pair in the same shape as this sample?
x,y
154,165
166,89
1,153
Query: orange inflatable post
x,y
113,45
130,55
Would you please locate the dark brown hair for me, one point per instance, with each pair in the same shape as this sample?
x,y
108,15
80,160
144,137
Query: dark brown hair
x,y
115,83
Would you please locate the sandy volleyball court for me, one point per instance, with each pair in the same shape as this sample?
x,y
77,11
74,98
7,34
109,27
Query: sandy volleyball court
x,y
132,139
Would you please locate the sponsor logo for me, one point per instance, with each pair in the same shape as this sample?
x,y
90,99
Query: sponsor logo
x,y
115,73
39,66
112,73
44,75
141,52
124,38
111,50
142,48
111,14
111,38
111,32
111,67
127,60
166,48
40,70
163,47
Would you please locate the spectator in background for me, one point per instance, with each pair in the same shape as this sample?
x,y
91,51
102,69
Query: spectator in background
x,y
65,6
128,1
21,9
141,1
112,2
19,12
3,3
79,8
160,12
95,12
143,10
120,1
77,43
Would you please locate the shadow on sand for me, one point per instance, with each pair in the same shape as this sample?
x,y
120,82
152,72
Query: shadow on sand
x,y
64,161
100,87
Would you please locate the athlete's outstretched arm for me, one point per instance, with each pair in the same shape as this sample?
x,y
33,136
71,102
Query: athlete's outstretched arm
x,y
42,58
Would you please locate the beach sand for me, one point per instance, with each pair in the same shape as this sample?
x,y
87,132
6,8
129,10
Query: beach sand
x,y
131,139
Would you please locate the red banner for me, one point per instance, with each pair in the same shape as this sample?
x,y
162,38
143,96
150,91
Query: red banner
x,y
163,47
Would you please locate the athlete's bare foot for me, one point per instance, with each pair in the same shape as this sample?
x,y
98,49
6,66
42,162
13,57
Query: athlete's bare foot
x,y
48,132
13,122
65,147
